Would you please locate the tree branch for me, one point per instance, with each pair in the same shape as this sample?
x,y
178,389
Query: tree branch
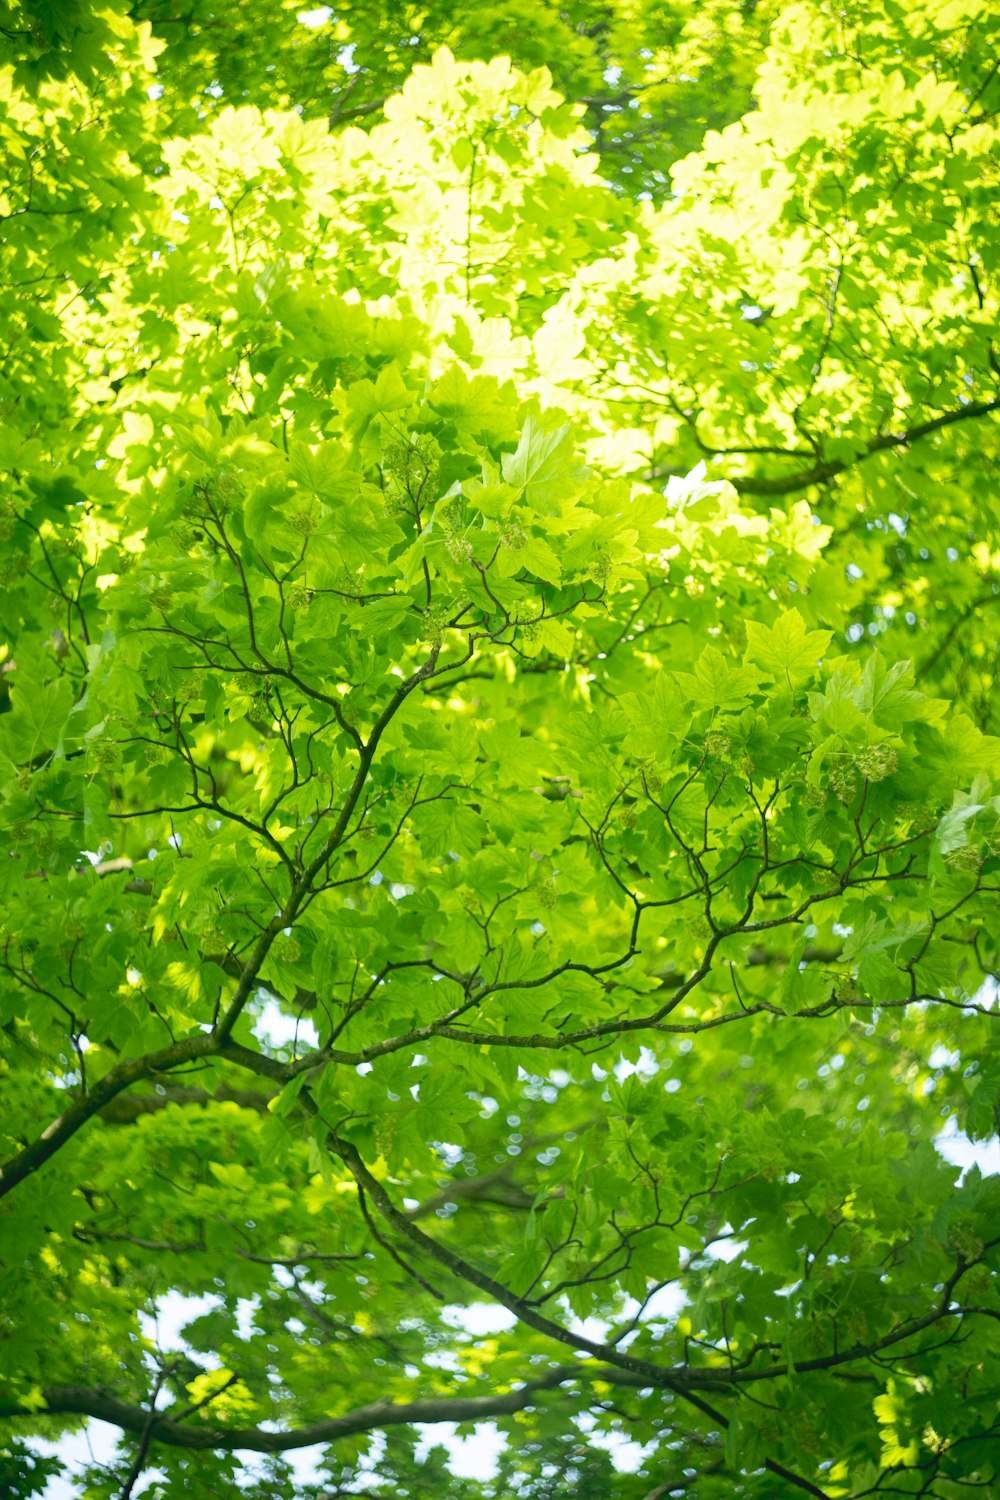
x,y
90,1401
748,484
55,1136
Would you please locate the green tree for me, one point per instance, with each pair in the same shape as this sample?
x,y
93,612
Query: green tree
x,y
497,777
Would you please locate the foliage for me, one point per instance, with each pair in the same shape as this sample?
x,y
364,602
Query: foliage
x,y
475,833
652,78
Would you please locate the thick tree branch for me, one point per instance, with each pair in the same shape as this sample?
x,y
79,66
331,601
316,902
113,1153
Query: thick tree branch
x,y
91,1401
55,1136
790,484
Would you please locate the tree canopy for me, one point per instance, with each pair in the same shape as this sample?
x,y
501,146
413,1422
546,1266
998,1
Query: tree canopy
x,y
498,759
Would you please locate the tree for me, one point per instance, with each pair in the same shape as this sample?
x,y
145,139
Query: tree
x,y
497,770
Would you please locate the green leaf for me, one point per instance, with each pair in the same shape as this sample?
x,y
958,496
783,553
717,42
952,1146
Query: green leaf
x,y
836,708
886,694
538,558
543,466
38,721
786,650
284,1103
715,683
